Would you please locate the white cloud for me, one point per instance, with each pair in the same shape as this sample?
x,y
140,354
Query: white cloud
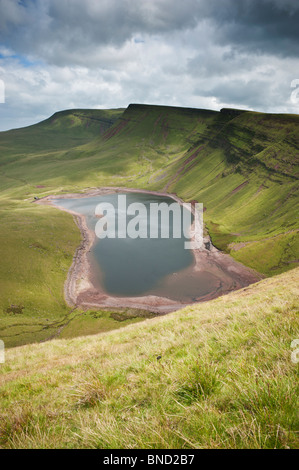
x,y
58,55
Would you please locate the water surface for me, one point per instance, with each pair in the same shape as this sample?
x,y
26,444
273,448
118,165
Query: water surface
x,y
141,266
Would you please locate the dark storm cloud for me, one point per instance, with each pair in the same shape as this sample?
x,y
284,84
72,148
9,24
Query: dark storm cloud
x,y
50,28
263,26
55,29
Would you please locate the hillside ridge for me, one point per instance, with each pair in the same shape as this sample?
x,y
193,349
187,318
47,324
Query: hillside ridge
x,y
243,167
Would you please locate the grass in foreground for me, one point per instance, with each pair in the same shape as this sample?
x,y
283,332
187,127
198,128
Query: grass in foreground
x,y
225,379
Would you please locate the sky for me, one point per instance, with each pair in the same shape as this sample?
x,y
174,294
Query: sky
x,y
64,54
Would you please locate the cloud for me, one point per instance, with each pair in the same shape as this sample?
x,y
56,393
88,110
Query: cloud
x,y
267,26
54,29
58,54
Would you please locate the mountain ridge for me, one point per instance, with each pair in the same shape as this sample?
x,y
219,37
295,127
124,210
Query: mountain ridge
x,y
243,167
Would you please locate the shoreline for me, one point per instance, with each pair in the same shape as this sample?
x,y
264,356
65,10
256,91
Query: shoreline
x,y
79,290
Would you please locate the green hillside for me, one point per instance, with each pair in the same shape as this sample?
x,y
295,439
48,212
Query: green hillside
x,y
214,375
63,130
247,177
243,166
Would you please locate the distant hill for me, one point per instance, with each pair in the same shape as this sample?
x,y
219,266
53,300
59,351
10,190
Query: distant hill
x,y
63,130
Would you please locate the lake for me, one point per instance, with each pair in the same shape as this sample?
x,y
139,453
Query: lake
x,y
135,267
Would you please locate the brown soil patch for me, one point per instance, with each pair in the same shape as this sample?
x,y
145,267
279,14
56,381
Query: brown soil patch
x,y
80,290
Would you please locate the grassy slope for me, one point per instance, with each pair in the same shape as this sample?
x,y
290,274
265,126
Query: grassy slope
x,y
243,166
250,190
240,165
38,243
36,258
225,379
63,130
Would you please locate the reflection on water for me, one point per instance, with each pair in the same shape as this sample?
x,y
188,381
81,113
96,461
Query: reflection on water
x,y
132,267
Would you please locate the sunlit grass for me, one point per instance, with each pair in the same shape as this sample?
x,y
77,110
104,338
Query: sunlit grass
x,y
214,375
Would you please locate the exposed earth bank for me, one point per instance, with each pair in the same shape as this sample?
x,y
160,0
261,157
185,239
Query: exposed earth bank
x,y
80,289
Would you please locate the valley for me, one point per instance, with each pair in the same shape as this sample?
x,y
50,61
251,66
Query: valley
x,y
243,166
217,373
